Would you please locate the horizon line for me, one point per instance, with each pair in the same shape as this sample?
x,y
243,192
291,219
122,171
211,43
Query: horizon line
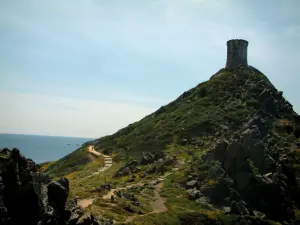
x,y
92,138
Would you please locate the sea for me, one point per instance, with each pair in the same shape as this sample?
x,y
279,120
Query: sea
x,y
42,148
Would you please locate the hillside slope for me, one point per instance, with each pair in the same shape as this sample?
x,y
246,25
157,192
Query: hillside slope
x,y
228,141
227,100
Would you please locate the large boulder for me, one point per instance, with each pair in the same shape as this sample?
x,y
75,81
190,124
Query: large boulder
x,y
147,158
218,152
159,155
247,161
4,151
152,169
28,197
128,168
268,197
75,216
219,191
167,161
214,182
58,192
245,146
87,219
191,184
239,208
194,194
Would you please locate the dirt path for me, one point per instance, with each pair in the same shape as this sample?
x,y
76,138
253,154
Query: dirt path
x,y
157,203
107,160
109,194
85,202
92,150
112,191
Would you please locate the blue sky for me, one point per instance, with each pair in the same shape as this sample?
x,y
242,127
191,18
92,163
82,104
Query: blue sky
x,y
88,68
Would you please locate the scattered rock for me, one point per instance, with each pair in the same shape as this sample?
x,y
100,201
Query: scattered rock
x,y
226,210
191,184
234,195
159,155
194,194
152,169
239,208
168,161
86,219
202,91
128,168
259,214
147,158
190,177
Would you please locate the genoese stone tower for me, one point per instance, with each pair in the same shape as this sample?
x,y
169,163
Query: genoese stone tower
x,y
236,53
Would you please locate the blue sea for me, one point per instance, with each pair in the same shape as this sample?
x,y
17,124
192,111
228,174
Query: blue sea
x,y
41,148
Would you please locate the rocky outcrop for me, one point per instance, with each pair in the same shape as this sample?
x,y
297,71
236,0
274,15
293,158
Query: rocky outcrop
x,y
128,168
29,197
261,180
148,157
156,162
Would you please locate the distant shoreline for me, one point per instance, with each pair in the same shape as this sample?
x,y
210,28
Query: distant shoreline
x,y
45,135
42,148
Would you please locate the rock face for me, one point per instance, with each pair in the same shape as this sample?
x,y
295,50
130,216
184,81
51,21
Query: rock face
x,y
148,157
261,181
29,197
253,167
128,168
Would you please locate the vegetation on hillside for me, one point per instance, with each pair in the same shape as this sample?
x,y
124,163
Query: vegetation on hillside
x,y
75,161
240,109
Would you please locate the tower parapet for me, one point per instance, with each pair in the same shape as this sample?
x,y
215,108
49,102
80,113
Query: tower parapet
x,y
236,53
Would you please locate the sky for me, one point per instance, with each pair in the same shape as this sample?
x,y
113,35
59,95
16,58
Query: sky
x,y
88,68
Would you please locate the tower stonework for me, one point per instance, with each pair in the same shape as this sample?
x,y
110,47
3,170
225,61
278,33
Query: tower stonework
x,y
236,53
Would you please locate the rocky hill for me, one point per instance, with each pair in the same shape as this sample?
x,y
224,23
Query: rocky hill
x,y
224,152
230,149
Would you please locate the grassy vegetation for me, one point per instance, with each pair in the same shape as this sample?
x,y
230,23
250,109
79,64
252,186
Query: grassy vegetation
x,y
44,166
4,156
75,161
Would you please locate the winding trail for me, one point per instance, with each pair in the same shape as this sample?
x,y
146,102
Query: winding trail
x,y
112,191
155,182
107,160
83,203
157,203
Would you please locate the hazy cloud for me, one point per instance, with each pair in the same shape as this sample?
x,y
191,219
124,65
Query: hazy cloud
x,y
27,114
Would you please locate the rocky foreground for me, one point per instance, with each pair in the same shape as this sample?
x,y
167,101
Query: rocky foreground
x,y
30,197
